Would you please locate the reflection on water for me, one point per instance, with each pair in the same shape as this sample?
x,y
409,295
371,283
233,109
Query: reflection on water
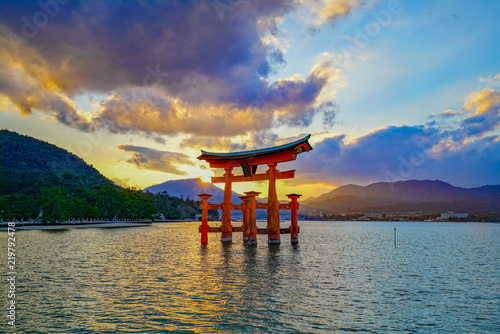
x,y
343,276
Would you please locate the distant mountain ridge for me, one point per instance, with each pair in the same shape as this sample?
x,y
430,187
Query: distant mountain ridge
x,y
414,195
191,188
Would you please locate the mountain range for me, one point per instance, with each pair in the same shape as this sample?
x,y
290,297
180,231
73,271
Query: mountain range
x,y
406,196
402,196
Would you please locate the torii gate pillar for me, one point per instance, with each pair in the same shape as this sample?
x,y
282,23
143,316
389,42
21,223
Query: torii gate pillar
x,y
273,215
227,231
245,211
204,205
294,228
252,219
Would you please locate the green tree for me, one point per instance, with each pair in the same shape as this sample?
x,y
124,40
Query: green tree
x,y
55,205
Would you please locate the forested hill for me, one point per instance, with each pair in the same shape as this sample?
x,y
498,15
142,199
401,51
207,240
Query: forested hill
x,y
27,165
40,178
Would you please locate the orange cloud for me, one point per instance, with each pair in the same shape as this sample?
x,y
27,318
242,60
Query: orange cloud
x,y
152,110
212,143
332,10
448,112
482,102
30,88
483,108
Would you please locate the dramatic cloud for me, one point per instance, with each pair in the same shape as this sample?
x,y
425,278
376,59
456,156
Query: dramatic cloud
x,y
291,101
368,157
170,67
148,109
163,161
28,94
403,153
294,99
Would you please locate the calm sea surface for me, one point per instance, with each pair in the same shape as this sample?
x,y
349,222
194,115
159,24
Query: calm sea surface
x,y
342,277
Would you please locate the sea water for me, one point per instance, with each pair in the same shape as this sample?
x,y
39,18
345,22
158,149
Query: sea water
x,y
440,277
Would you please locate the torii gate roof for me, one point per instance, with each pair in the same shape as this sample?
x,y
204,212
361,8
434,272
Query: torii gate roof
x,y
282,153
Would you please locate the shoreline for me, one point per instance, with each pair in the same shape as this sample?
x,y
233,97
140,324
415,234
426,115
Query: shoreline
x,y
75,226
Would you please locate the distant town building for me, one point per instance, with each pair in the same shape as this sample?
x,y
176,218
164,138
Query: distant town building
x,y
451,214
314,213
372,216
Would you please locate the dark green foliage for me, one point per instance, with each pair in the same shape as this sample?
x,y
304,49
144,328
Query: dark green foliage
x,y
213,215
27,165
58,204
19,206
40,178
171,207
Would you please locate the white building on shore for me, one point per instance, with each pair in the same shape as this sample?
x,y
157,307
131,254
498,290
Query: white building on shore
x,y
451,214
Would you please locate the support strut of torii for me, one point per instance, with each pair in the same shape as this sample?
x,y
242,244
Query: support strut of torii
x,y
249,161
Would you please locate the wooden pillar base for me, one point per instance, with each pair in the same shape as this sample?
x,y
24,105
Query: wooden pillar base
x,y
252,223
245,215
226,237
273,239
294,228
252,241
204,235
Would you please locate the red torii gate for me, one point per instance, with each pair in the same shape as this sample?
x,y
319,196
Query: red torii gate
x,y
249,161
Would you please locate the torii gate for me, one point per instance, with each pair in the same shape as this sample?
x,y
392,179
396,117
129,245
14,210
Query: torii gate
x,y
249,161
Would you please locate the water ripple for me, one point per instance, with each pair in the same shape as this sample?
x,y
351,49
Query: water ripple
x,y
342,277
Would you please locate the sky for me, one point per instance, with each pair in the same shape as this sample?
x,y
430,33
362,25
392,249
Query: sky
x,y
389,90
